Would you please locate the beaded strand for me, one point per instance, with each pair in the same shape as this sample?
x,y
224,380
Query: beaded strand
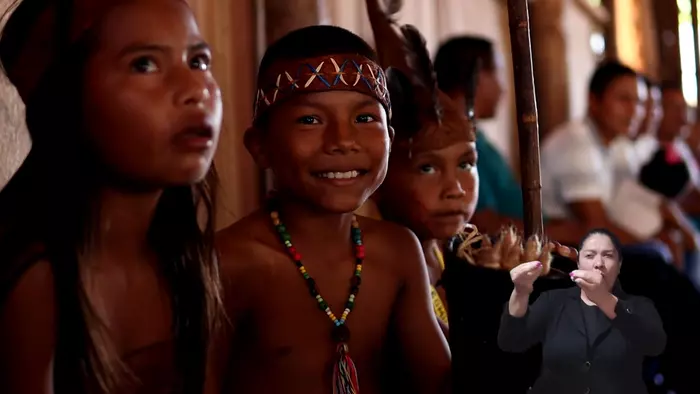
x,y
340,332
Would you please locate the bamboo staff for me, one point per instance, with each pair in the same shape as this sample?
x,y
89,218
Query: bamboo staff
x,y
526,108
696,44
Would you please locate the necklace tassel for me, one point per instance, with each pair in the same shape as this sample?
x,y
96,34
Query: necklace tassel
x,y
345,379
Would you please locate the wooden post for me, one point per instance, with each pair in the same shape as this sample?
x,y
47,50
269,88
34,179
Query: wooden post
x,y
526,110
696,44
609,32
550,67
666,15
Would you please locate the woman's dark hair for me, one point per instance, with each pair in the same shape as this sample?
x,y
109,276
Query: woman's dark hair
x,y
52,201
312,41
458,57
602,231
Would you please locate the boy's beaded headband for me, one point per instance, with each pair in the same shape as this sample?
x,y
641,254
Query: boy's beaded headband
x,y
348,72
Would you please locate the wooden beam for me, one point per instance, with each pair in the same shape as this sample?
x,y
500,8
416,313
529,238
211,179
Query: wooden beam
x,y
600,15
550,64
666,14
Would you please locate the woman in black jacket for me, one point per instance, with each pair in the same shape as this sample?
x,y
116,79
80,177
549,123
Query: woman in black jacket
x,y
594,336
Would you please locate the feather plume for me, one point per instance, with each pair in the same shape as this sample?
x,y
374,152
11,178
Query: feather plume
x,y
389,45
424,74
406,112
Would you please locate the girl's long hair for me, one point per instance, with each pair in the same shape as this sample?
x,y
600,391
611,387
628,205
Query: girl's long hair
x,y
52,201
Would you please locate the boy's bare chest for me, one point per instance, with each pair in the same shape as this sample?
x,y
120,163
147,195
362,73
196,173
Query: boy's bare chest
x,y
289,322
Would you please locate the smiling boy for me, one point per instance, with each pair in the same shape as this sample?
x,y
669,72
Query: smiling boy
x,y
307,284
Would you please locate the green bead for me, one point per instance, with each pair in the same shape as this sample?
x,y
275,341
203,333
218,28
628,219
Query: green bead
x,y
281,228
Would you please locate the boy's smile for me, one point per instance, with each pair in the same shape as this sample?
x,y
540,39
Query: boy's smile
x,y
340,177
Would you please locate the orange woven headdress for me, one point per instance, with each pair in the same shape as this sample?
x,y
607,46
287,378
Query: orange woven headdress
x,y
424,117
39,31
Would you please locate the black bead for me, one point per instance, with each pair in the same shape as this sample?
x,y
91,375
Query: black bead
x,y
341,334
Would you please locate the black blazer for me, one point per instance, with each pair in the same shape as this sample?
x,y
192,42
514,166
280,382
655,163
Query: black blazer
x,y
583,351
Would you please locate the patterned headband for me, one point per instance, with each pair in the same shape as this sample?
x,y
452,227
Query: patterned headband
x,y
319,74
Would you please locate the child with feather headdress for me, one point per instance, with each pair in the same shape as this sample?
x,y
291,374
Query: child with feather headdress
x,y
432,183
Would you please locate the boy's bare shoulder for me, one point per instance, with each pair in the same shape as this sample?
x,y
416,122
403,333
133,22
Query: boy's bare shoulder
x,y
247,252
398,242
247,248
250,237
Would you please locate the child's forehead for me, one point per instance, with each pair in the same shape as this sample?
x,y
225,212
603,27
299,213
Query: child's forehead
x,y
452,152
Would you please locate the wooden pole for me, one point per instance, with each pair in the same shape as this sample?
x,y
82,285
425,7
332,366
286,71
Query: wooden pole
x,y
696,44
526,109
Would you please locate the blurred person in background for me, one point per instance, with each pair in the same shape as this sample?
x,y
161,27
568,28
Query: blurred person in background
x,y
500,197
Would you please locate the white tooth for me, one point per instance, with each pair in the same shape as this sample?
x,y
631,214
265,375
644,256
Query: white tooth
x,y
340,175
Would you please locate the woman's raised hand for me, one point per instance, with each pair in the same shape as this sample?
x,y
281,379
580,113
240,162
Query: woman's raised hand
x,y
525,275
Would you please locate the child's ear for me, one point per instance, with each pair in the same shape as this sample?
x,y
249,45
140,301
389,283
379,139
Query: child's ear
x,y
253,140
392,134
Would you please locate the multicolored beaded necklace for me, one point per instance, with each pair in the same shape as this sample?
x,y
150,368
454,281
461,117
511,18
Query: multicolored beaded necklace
x,y
345,380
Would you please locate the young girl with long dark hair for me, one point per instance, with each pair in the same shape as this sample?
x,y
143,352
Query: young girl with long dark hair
x,y
108,279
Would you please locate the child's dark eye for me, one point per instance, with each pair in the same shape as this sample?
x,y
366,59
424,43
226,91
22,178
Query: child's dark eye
x,y
144,65
365,118
427,169
308,120
201,62
466,166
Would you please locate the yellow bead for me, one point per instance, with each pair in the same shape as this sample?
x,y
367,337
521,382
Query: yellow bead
x,y
276,222
359,267
302,269
274,215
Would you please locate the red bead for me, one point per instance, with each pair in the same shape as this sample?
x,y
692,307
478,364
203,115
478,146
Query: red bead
x,y
360,252
296,257
292,250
